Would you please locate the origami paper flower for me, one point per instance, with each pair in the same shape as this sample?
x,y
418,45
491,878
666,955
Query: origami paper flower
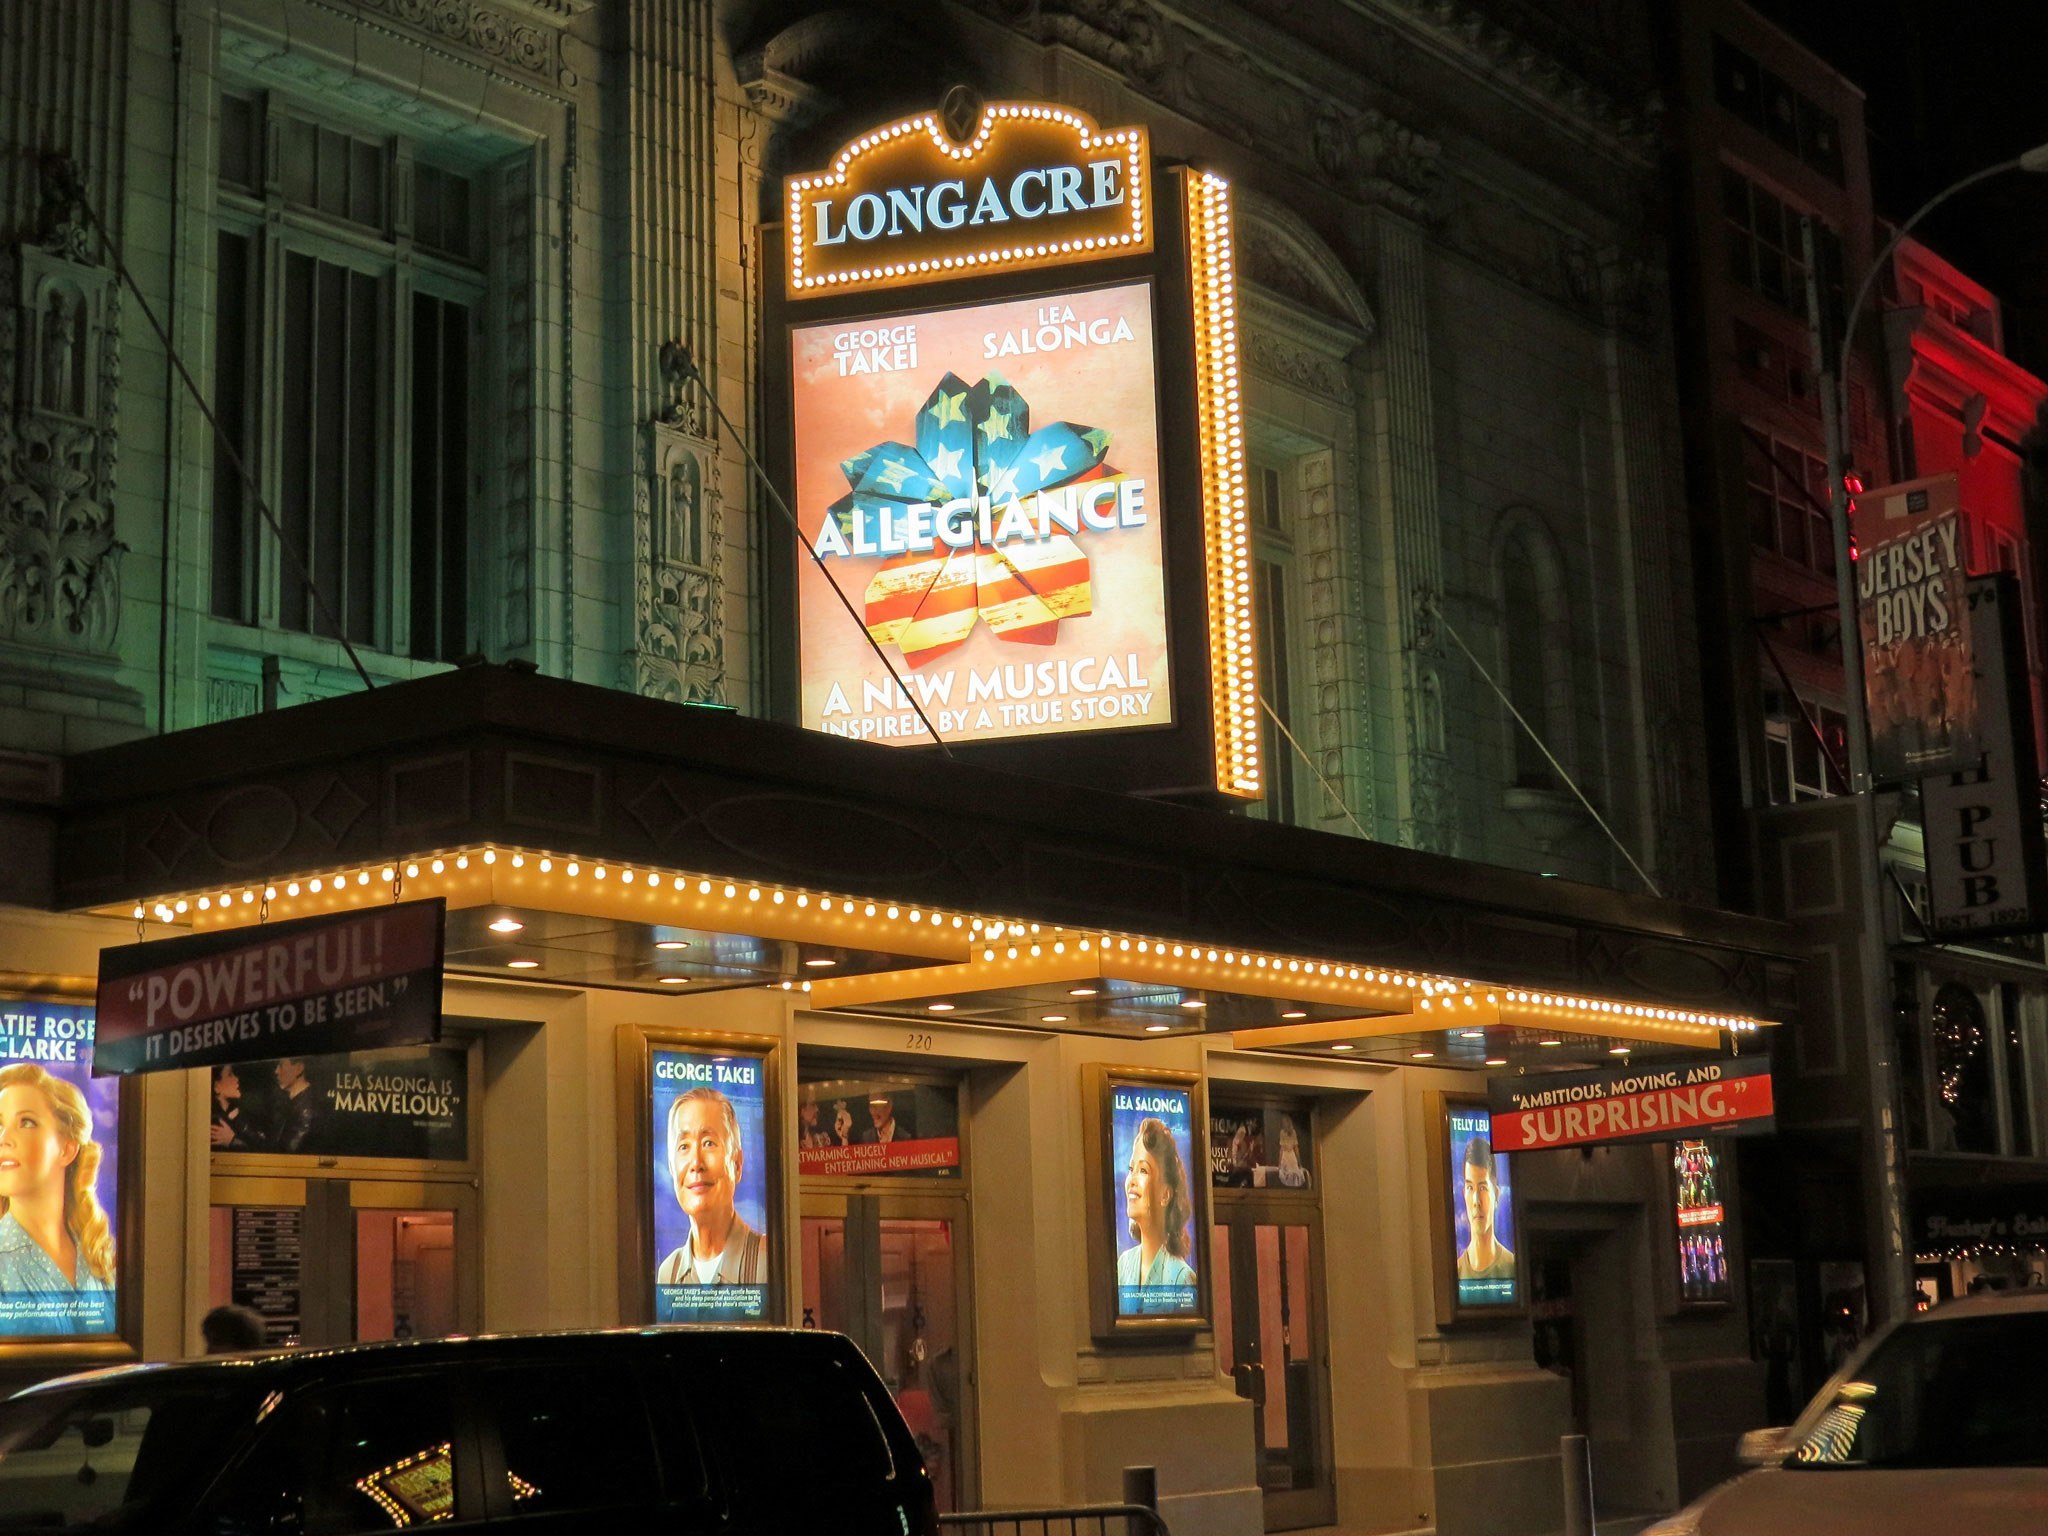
x,y
974,443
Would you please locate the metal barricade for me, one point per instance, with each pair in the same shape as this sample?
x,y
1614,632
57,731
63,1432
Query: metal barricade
x,y
1137,1516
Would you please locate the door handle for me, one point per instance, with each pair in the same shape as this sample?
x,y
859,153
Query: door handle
x,y
1241,1378
1258,1392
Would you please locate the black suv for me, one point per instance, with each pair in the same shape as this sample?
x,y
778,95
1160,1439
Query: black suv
x,y
734,1432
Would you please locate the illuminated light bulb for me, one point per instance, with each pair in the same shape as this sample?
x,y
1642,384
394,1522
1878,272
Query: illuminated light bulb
x,y
1343,1045
1550,1042
547,866
1052,1018
1193,1002
599,872
490,856
313,885
206,903
671,943
439,866
938,1007
1157,1029
1496,1061
1423,1055
673,981
506,925
183,905
1294,1013
522,965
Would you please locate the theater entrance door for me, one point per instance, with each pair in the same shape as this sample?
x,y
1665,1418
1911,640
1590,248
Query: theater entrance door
x,y
890,1270
337,1260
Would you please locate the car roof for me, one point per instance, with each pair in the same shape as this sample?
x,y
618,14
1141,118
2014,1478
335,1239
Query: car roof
x,y
1986,1304
281,1365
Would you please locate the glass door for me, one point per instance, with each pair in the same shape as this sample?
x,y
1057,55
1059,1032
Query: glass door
x,y
332,1261
1267,1262
890,1271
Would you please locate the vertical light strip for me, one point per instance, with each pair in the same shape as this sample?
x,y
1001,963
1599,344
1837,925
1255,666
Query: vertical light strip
x,y
1233,646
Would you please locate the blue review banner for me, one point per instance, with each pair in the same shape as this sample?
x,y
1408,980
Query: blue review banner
x,y
711,1165
1151,1200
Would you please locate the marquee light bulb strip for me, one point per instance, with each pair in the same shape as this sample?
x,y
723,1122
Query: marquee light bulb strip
x,y
996,949
801,190
1233,646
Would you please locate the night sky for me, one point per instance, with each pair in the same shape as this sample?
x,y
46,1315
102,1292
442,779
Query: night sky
x,y
1951,88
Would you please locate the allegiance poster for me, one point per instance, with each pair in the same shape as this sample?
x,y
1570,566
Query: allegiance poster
x,y
59,1160
981,484
711,1161
1152,1169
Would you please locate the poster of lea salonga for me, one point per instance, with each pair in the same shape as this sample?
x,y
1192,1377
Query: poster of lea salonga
x,y
59,1161
981,483
1151,1200
711,1156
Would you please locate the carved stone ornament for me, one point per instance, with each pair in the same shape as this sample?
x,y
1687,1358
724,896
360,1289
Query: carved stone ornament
x,y
1124,35
60,563
496,34
680,649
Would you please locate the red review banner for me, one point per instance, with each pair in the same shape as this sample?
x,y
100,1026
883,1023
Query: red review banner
x,y
917,1156
1537,1113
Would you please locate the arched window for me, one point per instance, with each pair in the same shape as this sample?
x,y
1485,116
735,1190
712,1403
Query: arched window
x,y
1535,648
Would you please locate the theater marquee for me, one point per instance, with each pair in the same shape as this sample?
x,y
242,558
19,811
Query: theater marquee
x,y
1016,451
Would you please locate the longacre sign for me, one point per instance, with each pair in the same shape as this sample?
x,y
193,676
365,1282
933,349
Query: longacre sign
x,y
1577,1109
308,987
1029,185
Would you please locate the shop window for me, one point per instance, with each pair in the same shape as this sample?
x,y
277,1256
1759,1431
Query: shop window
x,y
1964,1114
1766,253
1796,765
348,391
1535,649
1786,491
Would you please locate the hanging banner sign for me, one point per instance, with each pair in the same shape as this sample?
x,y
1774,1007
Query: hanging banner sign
x,y
1580,1109
1917,680
964,190
311,986
1982,827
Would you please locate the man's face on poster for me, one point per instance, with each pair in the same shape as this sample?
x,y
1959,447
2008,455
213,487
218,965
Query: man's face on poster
x,y
703,1161
1482,1196
290,1073
881,1111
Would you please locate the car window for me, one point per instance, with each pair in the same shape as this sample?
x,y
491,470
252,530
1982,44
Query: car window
x,y
574,1438
753,1404
1961,1393
114,1458
385,1458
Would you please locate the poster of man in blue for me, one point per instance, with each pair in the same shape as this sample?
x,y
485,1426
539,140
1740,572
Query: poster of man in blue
x,y
711,1188
58,1160
1151,1200
1482,1211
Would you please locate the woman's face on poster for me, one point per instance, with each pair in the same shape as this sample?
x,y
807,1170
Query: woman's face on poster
x,y
1144,1190
33,1150
227,1087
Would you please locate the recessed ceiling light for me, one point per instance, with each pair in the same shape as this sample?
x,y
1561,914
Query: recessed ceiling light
x,y
1157,1029
1424,1055
1617,1050
1496,1061
1343,1045
1550,1042
1193,1002
1294,1013
522,965
675,981
506,925
820,963
1052,1018
1471,1034
671,943
938,1007
1081,991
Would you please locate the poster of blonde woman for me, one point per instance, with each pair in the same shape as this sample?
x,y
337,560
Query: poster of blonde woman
x,y
57,1172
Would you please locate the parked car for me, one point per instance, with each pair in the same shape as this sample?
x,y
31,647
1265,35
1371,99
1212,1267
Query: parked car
x,y
732,1432
1940,1424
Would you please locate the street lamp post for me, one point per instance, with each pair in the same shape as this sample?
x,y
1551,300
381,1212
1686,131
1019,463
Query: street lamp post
x,y
1883,1163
